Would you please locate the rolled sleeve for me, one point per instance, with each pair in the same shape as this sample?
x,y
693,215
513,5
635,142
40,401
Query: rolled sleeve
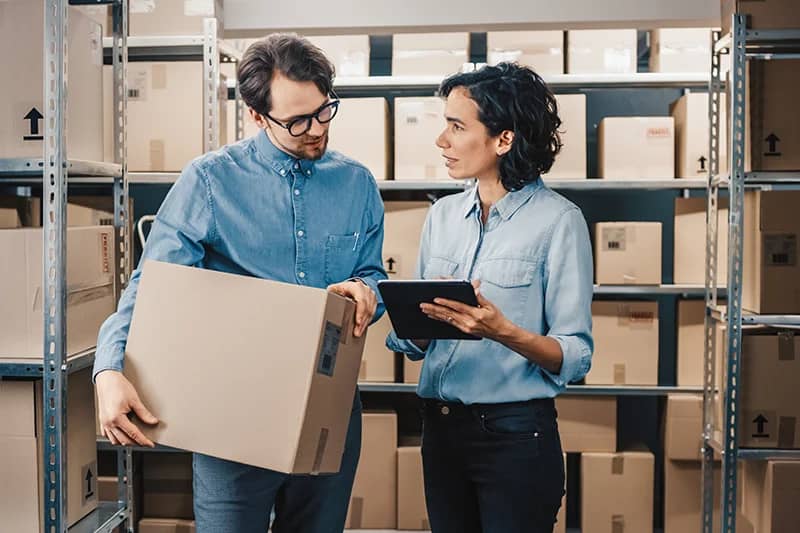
x,y
404,346
370,264
568,296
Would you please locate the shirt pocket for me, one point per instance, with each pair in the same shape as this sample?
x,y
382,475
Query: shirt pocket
x,y
439,267
340,257
507,273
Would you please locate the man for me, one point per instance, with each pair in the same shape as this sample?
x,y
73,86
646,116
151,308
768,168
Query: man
x,y
276,206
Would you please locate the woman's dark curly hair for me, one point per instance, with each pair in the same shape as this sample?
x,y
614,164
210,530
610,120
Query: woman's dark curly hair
x,y
515,98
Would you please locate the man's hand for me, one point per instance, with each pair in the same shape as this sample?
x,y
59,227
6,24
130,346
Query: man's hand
x,y
486,320
116,398
366,302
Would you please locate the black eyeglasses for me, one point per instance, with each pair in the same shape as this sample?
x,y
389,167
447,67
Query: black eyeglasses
x,y
300,125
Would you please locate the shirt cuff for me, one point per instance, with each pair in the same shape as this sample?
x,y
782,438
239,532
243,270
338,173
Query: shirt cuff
x,y
108,358
574,363
405,346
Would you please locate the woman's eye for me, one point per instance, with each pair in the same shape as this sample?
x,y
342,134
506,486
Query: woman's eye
x,y
456,127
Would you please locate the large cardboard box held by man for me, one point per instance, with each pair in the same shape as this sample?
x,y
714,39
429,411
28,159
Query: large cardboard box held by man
x,y
373,503
21,452
90,289
22,106
193,328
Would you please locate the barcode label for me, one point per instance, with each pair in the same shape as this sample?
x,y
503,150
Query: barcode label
x,y
330,347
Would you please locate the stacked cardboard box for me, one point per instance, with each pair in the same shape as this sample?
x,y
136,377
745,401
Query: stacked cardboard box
x,y
570,162
587,424
360,131
636,148
680,50
601,51
167,485
348,53
763,15
691,342
543,51
690,113
373,504
771,491
418,122
431,54
173,17
412,513
628,253
690,241
166,525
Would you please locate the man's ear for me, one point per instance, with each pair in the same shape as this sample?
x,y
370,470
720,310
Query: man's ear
x,y
259,120
504,142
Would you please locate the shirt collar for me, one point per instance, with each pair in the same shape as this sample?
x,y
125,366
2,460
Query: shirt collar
x,y
279,160
508,204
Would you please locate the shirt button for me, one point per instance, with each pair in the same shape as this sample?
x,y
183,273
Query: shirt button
x,y
445,410
300,233
296,166
308,172
283,172
297,192
301,275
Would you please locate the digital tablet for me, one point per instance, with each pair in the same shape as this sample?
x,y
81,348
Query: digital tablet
x,y
402,299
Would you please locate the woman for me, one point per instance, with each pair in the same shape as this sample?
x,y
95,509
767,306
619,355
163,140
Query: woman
x,y
491,450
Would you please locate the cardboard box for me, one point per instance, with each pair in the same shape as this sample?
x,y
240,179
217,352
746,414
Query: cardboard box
x,y
21,502
9,213
587,424
761,14
377,365
411,370
683,481
689,257
680,50
690,113
173,17
302,357
412,513
22,107
165,115
627,253
601,51
107,488
773,116
769,402
570,162
373,504
167,485
417,124
403,223
348,53
429,54
636,148
90,289
626,343
771,270
691,342
543,51
683,434
771,493
162,525
617,492
360,131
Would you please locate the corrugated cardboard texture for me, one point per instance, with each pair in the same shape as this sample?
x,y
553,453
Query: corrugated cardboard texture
x,y
570,162
361,132
543,51
769,401
680,50
771,493
417,123
167,485
690,241
587,424
173,17
373,503
691,342
160,525
627,253
690,113
636,148
683,434
412,513
210,321
601,51
617,492
429,54
626,343
90,299
22,30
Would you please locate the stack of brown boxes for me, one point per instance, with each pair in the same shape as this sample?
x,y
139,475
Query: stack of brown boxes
x,y
429,54
541,50
360,131
690,113
601,51
171,17
167,486
771,491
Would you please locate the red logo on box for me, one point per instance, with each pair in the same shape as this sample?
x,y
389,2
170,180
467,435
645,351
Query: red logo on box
x,y
658,132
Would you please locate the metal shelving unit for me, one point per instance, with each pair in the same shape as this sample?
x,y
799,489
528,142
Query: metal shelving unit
x,y
742,45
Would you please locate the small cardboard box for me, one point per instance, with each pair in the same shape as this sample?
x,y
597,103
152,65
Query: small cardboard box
x,y
90,289
543,51
299,350
587,424
636,148
360,131
626,343
690,113
691,335
429,54
173,17
689,258
683,482
167,485
348,53
21,452
570,162
417,124
627,253
771,494
373,504
601,51
683,433
617,492
412,513
377,365
680,50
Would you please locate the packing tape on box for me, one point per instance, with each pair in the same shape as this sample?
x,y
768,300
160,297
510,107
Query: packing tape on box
x,y
786,346
77,295
619,374
157,154
348,317
786,431
321,445
356,512
617,465
617,523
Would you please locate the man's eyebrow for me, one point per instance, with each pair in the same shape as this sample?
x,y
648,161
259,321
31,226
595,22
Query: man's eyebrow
x,y
306,115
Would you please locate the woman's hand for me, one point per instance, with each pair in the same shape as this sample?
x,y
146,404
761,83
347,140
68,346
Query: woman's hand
x,y
486,320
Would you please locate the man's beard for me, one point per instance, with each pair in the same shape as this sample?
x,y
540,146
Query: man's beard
x,y
316,153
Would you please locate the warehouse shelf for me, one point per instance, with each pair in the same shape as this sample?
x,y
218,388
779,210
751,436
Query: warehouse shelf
x,y
18,169
719,314
107,517
576,81
185,47
104,444
760,43
34,368
582,390
759,454
765,181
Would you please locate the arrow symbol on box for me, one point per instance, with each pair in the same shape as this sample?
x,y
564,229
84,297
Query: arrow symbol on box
x,y
773,141
391,262
760,421
34,116
702,161
89,491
